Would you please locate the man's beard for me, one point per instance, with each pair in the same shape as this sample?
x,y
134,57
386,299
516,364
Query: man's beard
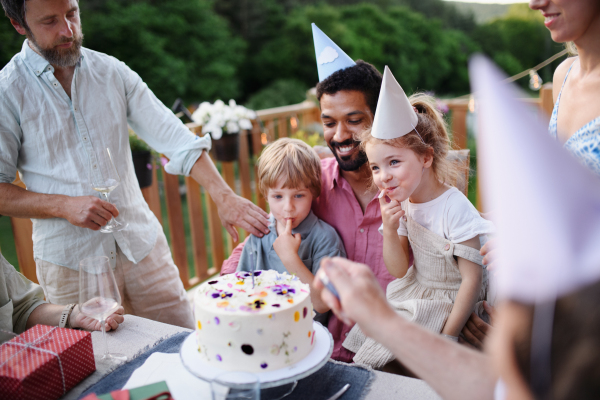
x,y
60,57
350,163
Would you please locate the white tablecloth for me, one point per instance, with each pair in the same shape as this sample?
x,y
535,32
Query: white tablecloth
x,y
137,334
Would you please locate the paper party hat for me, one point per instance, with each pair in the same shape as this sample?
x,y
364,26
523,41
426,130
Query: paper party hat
x,y
546,204
394,116
330,58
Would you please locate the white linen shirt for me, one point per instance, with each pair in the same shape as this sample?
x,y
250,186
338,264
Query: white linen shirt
x,y
52,139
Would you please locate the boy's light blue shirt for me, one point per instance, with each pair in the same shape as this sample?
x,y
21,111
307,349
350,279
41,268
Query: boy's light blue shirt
x,y
319,240
52,139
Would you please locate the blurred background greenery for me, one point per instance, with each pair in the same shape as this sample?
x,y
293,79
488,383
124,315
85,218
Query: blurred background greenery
x,y
260,52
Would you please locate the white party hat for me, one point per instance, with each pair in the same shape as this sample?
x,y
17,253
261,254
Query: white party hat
x,y
330,58
395,115
547,204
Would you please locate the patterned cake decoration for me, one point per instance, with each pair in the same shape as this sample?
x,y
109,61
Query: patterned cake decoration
x,y
234,293
246,328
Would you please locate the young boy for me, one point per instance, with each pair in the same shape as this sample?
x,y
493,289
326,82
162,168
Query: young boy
x,y
289,174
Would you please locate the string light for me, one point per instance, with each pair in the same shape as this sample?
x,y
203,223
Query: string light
x,y
471,104
535,81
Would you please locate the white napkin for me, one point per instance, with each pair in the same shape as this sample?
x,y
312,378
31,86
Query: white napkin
x,y
168,367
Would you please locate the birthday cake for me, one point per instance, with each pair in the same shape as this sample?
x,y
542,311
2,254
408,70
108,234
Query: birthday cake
x,y
253,326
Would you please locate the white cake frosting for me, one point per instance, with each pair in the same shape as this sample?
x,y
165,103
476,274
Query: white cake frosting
x,y
264,328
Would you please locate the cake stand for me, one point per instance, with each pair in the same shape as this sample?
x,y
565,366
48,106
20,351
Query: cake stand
x,y
314,361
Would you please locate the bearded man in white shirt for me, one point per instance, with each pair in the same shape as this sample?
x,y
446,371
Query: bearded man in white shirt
x,y
61,105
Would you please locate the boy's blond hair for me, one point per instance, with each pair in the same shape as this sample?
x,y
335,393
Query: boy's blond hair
x,y
294,161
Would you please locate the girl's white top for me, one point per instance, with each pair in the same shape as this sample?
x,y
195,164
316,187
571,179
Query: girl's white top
x,y
450,215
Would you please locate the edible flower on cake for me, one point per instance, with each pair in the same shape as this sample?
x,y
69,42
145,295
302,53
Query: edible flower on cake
x,y
245,328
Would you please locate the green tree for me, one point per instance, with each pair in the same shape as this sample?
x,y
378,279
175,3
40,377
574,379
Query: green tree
x,y
281,92
518,41
180,48
10,41
421,53
256,22
444,11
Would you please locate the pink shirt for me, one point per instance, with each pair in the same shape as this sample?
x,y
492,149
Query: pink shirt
x,y
338,206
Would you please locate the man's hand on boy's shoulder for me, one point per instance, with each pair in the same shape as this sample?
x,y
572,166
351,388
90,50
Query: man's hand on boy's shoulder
x,y
287,244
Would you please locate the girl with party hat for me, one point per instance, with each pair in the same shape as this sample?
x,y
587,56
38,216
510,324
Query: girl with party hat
x,y
407,148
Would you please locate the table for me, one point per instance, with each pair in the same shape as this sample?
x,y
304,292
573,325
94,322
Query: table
x,y
137,334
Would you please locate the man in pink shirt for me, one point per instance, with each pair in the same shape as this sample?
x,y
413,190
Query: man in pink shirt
x,y
348,201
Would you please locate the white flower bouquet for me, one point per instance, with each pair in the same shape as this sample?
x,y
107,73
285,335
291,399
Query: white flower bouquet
x,y
219,118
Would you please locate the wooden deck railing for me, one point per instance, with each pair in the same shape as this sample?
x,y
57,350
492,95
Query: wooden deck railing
x,y
274,123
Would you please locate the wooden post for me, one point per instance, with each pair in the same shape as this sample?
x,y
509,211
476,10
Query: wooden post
x,y
195,205
215,233
177,230
270,130
258,146
459,125
228,172
23,232
546,99
282,127
244,165
152,196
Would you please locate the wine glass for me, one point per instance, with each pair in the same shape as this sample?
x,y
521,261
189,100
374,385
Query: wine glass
x,y
104,178
235,385
99,296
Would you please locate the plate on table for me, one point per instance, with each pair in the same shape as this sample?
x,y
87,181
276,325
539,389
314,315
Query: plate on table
x,y
314,361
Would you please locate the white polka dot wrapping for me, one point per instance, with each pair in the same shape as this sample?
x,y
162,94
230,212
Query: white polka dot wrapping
x,y
45,362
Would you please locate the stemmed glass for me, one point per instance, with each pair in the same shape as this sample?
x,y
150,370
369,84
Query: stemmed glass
x,y
235,385
99,296
104,178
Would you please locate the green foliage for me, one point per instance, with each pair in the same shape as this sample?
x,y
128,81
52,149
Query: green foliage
x,y
261,52
137,145
310,137
518,41
421,53
281,92
446,12
10,41
180,48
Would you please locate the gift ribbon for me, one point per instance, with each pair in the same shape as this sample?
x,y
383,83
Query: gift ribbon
x,y
31,345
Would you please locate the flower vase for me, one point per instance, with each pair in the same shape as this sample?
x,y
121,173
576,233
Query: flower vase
x,y
226,148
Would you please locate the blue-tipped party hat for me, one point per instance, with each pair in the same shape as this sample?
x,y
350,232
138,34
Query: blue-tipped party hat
x,y
330,57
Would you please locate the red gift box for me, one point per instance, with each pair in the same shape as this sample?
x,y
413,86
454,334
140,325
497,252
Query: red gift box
x,y
45,362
